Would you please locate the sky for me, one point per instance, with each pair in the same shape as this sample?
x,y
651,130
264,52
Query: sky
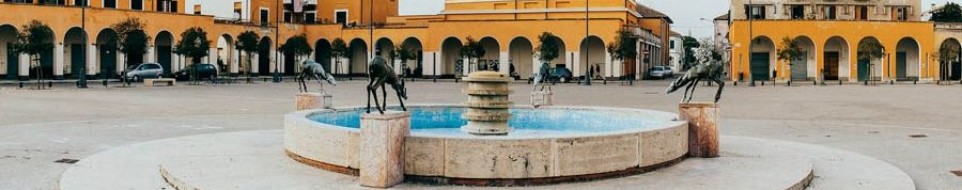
x,y
689,19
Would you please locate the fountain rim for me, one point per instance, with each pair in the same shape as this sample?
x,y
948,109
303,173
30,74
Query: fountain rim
x,y
671,120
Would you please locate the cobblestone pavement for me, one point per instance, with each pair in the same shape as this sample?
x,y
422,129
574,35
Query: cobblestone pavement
x,y
914,127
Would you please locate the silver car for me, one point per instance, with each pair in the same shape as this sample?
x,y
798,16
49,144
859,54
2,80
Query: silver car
x,y
661,72
146,70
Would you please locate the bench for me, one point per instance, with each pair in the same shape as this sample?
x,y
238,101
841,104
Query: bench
x,y
150,82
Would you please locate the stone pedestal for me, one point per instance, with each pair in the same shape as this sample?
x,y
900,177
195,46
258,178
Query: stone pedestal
x,y
542,98
313,100
382,148
702,128
487,106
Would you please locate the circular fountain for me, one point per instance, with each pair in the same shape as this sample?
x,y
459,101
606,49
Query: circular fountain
x,y
546,145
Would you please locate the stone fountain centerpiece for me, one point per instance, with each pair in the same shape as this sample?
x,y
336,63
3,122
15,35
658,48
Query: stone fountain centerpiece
x,y
487,105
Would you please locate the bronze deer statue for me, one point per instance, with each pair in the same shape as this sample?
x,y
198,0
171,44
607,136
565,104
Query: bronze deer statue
x,y
314,70
381,73
542,77
707,69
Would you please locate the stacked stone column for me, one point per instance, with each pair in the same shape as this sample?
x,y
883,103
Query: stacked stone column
x,y
488,103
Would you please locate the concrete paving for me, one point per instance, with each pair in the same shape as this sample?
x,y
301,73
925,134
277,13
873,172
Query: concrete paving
x,y
39,127
253,160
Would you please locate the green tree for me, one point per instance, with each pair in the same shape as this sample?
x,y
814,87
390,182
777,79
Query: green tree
x,y
339,50
247,43
690,44
133,40
789,50
951,12
548,49
946,55
298,46
473,50
625,47
35,38
404,54
870,50
193,44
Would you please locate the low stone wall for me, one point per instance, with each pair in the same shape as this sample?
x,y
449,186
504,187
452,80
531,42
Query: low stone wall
x,y
471,160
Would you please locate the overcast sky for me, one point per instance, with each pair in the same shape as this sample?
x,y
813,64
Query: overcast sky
x,y
687,14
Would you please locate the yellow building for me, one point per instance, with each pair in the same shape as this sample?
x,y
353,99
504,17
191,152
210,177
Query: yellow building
x,y
507,29
831,35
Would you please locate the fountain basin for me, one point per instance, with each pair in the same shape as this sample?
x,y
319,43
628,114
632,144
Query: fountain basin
x,y
547,145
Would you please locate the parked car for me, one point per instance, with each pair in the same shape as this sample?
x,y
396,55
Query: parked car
x,y
203,71
661,72
145,70
558,74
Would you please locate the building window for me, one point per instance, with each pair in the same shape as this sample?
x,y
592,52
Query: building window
x,y
798,11
830,12
901,13
340,16
310,18
755,11
79,3
166,6
861,12
265,19
110,4
137,4
671,44
287,17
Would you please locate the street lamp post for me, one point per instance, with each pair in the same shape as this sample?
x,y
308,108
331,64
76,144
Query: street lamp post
x,y
82,82
277,36
587,48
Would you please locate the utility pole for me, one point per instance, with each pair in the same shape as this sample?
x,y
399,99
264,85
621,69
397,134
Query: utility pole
x,y
751,41
82,83
587,48
277,40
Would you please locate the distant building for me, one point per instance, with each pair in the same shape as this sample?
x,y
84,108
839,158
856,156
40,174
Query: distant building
x,y
831,35
720,39
676,49
507,30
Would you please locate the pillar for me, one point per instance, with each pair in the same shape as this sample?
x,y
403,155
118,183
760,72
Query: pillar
x,y
24,65
702,128
234,62
432,63
58,64
609,66
382,148
151,54
255,60
504,63
576,66
91,60
212,56
121,62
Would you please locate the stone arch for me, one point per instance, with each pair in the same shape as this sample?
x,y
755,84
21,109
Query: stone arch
x,y
359,57
492,53
415,65
804,67
450,56
107,42
950,59
521,53
264,51
762,58
592,52
164,50
226,54
907,60
9,61
75,53
868,68
836,59
384,48
322,54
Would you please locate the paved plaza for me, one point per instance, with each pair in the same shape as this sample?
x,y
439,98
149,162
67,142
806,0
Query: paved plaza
x,y
913,127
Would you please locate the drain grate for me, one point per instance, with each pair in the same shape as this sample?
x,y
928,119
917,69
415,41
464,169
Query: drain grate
x,y
918,136
67,161
957,173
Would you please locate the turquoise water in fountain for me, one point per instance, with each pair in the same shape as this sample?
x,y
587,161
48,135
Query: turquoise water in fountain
x,y
447,120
